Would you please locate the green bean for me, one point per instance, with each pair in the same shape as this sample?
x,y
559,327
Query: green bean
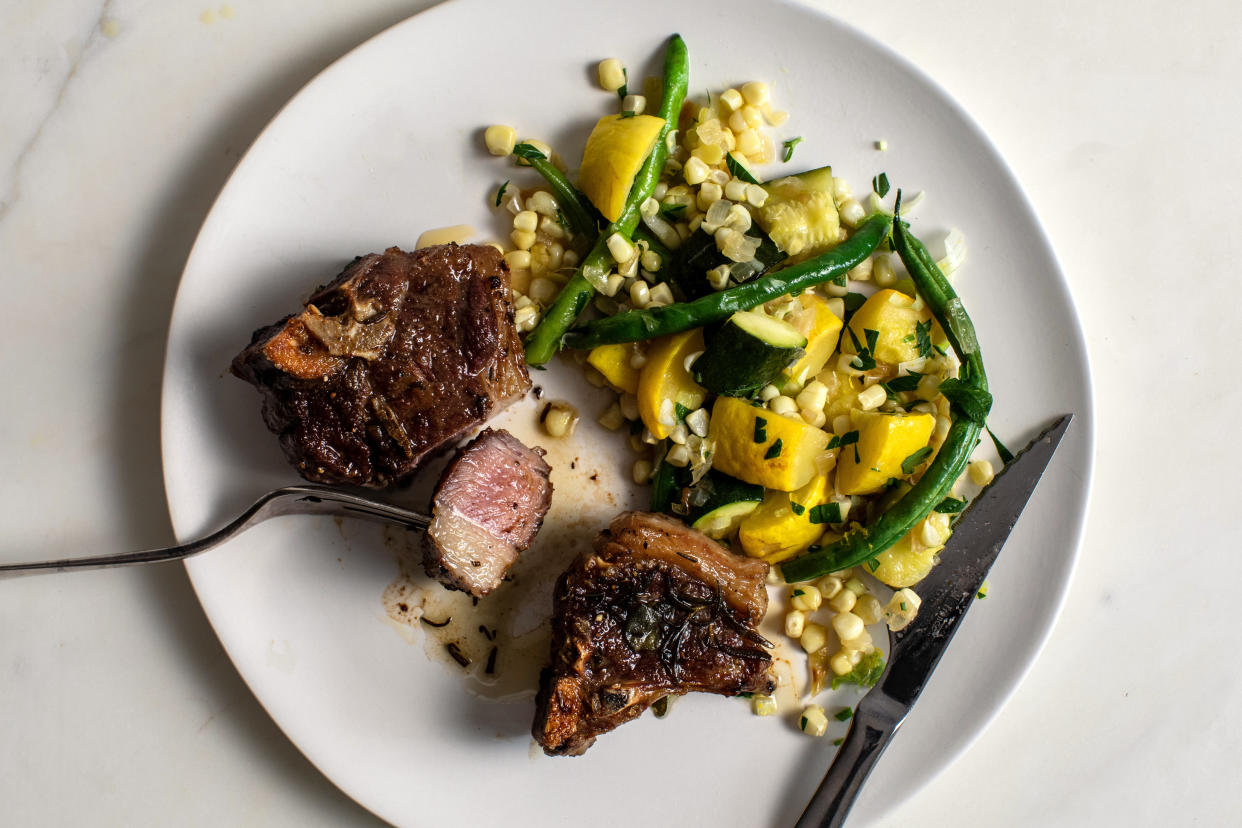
x,y
582,217
865,543
545,339
649,323
581,214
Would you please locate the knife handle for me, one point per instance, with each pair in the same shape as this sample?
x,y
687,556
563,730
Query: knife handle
x,y
869,734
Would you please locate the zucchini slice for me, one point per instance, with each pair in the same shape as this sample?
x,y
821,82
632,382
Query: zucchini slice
x,y
699,254
725,502
749,351
800,214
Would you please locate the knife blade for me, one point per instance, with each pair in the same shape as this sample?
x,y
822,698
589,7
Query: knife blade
x,y
947,593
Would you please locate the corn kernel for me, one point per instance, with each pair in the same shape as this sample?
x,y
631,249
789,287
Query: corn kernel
x,y
695,171
847,625
678,456
749,142
901,609
756,93
829,586
517,258
634,103
806,598
641,472
559,419
840,663
795,623
756,196
611,73
522,239
813,395
660,295
813,721
639,294
500,139
813,638
872,397
525,319
843,601
763,705
732,99
543,290
885,276
981,473
783,405
852,213
869,609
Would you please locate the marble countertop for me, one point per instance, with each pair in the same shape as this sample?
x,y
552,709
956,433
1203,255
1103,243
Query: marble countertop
x,y
122,120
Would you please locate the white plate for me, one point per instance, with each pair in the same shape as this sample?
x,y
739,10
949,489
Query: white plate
x,y
386,143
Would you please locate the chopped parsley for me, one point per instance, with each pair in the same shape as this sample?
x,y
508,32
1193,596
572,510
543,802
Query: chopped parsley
x,y
774,450
844,714
837,742
865,673
915,460
873,564
797,508
624,88
680,412
865,360
501,192
853,301
628,113
737,170
826,513
910,382
787,153
761,430
970,401
880,184
903,606
673,211
922,333
950,506
843,440
1006,455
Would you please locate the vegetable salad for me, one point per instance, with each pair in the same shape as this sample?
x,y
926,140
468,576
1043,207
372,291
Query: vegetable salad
x,y
798,378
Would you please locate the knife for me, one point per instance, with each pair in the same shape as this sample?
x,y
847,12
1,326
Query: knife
x,y
914,651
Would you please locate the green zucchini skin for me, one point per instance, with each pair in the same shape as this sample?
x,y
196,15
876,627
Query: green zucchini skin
x,y
699,254
723,492
741,357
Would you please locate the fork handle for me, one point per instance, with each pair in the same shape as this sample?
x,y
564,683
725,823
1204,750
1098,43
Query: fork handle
x,y
291,500
868,737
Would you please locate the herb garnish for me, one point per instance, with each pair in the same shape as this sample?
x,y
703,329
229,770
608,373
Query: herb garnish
x,y
910,382
864,361
774,450
922,332
826,513
761,430
1006,455
673,211
865,673
628,113
915,460
797,508
971,402
738,171
950,506
844,714
843,440
680,412
501,192
880,184
787,153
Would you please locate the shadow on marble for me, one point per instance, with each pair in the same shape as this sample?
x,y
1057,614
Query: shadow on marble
x,y
135,420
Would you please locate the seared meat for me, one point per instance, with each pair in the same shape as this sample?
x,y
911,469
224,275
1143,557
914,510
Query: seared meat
x,y
487,508
401,354
657,609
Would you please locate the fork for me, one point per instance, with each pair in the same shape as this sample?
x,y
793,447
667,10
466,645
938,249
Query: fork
x,y
291,500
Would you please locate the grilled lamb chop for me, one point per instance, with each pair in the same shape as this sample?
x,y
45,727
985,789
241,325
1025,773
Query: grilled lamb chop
x,y
401,354
487,508
657,609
